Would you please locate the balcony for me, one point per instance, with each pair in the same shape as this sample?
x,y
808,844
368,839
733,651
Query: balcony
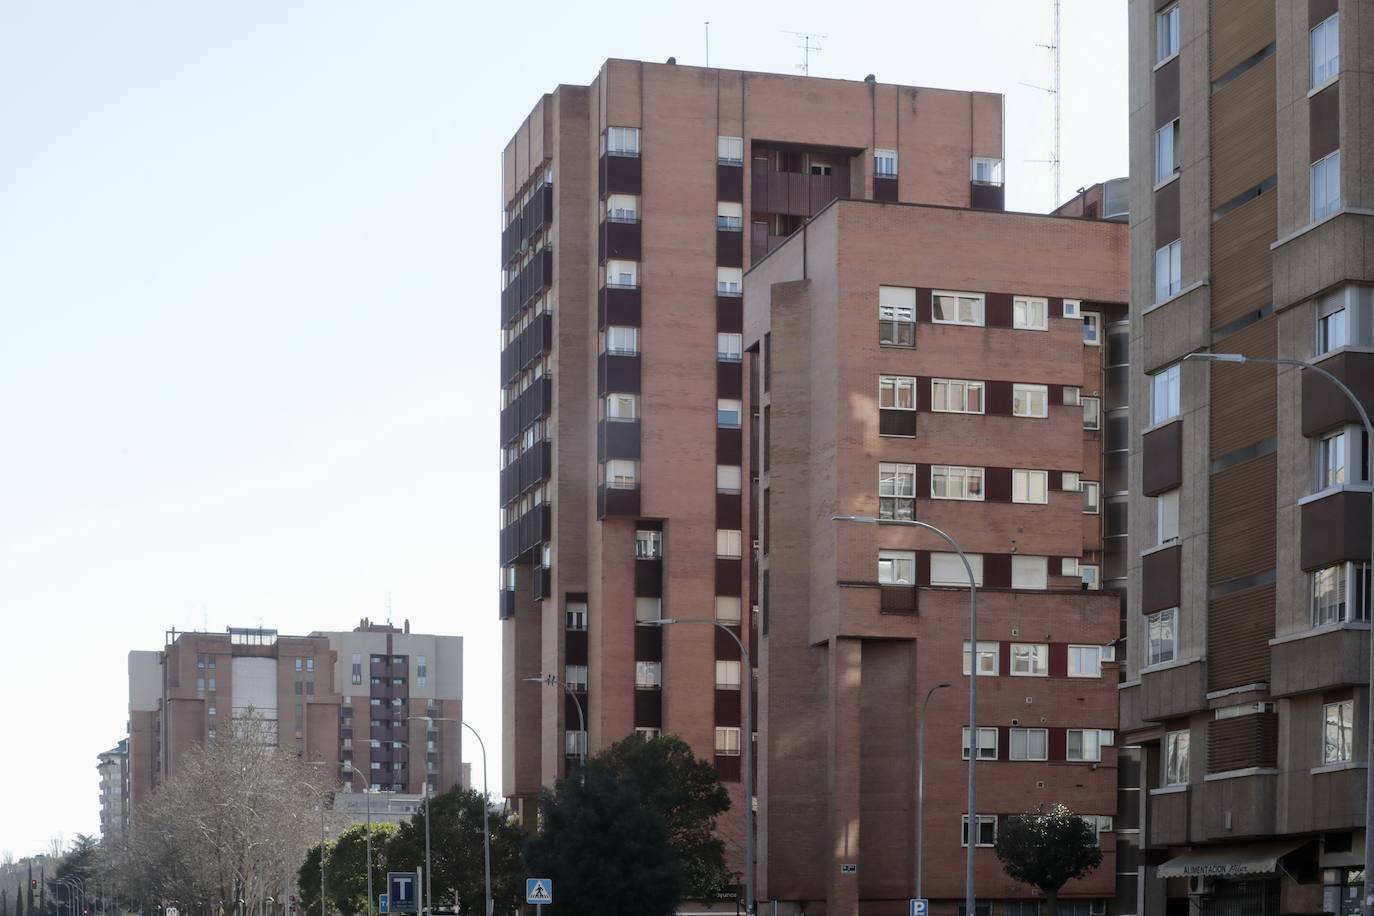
x,y
521,537
619,175
885,188
619,239
1162,458
512,241
730,182
729,247
505,607
1161,577
985,196
533,280
613,502
1335,528
1323,405
532,404
538,212
792,193
1169,815
899,599
532,343
618,305
529,470
619,373
617,439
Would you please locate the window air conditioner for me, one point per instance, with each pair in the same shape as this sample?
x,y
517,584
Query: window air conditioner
x,y
1199,884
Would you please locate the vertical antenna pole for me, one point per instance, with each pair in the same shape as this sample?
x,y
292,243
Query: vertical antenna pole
x,y
708,42
1057,95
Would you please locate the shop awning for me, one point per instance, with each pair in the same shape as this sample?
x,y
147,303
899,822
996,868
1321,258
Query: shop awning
x,y
1237,861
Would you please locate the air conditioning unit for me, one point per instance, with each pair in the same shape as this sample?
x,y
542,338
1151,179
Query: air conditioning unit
x,y
1071,308
1109,653
1199,885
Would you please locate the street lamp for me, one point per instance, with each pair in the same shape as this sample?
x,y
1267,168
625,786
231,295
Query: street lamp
x,y
367,790
748,751
486,830
970,858
921,778
1369,726
552,680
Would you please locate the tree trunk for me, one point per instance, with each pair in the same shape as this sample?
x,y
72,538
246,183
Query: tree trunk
x,y
1052,903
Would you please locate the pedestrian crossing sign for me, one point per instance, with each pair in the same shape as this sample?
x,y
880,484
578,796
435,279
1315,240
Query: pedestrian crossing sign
x,y
539,891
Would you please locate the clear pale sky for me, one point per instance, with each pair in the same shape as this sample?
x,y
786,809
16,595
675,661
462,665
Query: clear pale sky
x,y
249,299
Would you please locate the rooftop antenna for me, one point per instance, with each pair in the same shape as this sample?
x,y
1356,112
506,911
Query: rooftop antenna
x,y
807,47
1054,90
708,42
388,607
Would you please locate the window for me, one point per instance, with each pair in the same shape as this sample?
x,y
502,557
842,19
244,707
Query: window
x,y
885,163
309,664
896,567
200,685
728,609
1068,566
896,491
730,150
896,316
728,478
1030,659
987,658
1029,572
622,208
1326,185
1176,758
1071,308
622,274
622,141
1072,395
621,407
647,734
1030,400
1168,270
357,668
648,609
987,743
957,308
1092,413
1092,329
729,413
621,341
1333,323
952,395
948,569
985,170
1166,151
1324,45
727,741
648,545
1331,461
729,347
1340,593
648,675
1029,744
576,615
729,281
727,675
1161,632
1166,33
1083,744
1030,314
300,664
421,670
1164,400
1338,732
575,677
729,544
896,392
574,743
729,216
1092,504
622,474
1166,516
952,482
211,685
1089,575
1030,486
987,831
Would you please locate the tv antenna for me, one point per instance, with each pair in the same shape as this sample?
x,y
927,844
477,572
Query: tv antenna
x,y
807,48
1054,90
708,42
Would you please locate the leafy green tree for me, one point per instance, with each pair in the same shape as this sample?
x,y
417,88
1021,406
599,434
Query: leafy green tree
x,y
82,862
308,881
345,866
1047,848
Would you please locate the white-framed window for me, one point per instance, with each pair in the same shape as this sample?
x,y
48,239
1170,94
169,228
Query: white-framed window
x,y
1164,394
987,657
575,677
648,610
729,478
1030,486
1028,744
1166,151
1092,496
1091,575
1030,313
1166,33
574,743
896,491
729,281
1326,185
954,482
729,543
1030,659
622,208
947,569
621,474
1332,460
622,141
729,347
730,150
1175,769
957,308
987,830
1029,572
730,216
1030,400
621,406
1068,566
1324,46
727,740
575,615
896,392
987,743
1340,593
896,316
897,567
1168,270
952,395
647,734
1071,483
885,163
1092,329
1333,322
729,413
985,170
1166,516
1092,413
728,609
619,340
622,274
1161,636
1098,824
648,544
1338,731
727,675
648,675
1072,395
1072,307
1085,661
1082,744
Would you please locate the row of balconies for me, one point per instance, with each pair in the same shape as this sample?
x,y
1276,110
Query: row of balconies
x,y
536,215
527,471
531,404
531,343
532,281
526,533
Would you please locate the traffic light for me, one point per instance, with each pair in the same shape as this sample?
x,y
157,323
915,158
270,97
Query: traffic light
x,y
33,884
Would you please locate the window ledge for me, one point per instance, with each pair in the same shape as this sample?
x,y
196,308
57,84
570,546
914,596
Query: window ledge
x,y
1165,182
1126,685
1332,491
1240,774
1169,790
1173,56
1340,767
1161,424
1318,88
1348,348
1322,630
1178,295
1353,211
1165,666
1161,547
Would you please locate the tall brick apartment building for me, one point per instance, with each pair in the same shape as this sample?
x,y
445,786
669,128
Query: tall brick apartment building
x,y
941,364
1250,589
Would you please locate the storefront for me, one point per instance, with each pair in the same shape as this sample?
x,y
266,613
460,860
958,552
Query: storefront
x,y
1240,880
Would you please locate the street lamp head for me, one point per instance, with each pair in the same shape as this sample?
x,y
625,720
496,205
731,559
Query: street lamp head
x,y
861,519
660,622
1219,357
941,686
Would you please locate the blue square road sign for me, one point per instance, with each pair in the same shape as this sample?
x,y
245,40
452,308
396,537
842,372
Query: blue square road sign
x,y
539,891
920,907
401,887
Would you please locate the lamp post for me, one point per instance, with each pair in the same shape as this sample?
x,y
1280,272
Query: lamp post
x,y
486,829
367,789
425,898
921,779
551,680
748,751
1369,725
970,858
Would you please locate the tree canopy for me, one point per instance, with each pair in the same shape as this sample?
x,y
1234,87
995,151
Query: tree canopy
x,y
1047,848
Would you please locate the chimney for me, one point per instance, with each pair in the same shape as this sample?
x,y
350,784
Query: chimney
x,y
407,625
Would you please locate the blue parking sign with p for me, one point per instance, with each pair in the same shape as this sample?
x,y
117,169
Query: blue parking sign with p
x,y
920,907
538,891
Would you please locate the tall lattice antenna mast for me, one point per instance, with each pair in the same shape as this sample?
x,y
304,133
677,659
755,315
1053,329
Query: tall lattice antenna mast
x,y
807,49
1054,90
